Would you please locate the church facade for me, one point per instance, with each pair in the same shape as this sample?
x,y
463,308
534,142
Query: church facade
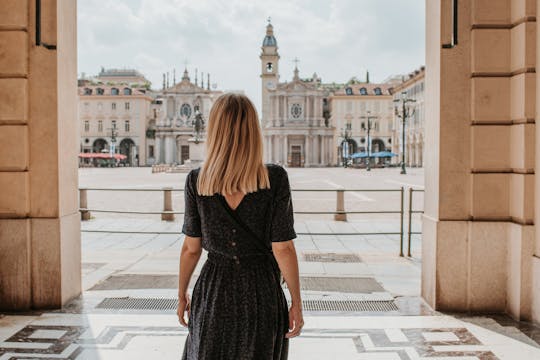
x,y
175,110
295,116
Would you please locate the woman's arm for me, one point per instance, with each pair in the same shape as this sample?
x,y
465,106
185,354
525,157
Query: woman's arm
x,y
285,254
189,257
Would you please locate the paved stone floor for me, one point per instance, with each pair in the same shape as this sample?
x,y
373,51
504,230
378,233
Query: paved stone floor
x,y
345,279
358,268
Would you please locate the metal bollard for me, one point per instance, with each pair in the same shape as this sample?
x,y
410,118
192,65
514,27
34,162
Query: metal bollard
x,y
83,204
340,205
167,205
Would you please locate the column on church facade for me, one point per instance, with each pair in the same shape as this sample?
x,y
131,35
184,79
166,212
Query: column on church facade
x,y
316,150
157,152
285,150
168,150
307,148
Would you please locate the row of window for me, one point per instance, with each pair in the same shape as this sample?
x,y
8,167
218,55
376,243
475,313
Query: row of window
x,y
101,91
363,91
100,125
127,106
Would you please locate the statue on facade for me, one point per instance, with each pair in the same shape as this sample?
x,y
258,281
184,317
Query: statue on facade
x,y
198,125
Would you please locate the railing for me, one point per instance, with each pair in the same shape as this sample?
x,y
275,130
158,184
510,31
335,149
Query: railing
x,y
340,214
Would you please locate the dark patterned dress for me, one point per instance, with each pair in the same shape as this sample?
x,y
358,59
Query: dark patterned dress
x,y
238,307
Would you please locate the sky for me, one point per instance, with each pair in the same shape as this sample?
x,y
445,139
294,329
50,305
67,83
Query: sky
x,y
337,39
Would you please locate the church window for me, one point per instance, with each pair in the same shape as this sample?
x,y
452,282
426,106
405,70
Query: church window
x,y
185,110
348,91
114,91
296,111
363,91
269,67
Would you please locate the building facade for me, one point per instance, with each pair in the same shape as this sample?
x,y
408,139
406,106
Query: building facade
x,y
174,109
357,107
114,113
295,129
411,88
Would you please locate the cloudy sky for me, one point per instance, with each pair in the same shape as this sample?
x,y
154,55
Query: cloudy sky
x,y
337,39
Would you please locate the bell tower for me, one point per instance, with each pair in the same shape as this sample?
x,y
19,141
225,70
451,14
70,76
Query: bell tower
x,y
269,70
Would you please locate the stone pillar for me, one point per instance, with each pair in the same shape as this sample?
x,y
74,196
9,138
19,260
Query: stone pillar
x,y
285,150
157,150
168,149
307,151
40,248
478,247
316,150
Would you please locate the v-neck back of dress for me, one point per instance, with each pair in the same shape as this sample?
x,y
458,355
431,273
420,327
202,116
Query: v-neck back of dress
x,y
222,197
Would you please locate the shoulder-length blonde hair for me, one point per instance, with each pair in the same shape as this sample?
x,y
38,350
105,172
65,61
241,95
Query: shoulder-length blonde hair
x,y
234,149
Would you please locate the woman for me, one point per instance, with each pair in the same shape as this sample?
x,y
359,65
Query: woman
x,y
239,210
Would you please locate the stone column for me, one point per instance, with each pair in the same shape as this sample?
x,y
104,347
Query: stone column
x,y
40,248
307,150
285,150
157,150
477,226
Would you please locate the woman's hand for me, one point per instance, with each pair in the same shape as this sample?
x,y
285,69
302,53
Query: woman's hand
x,y
183,305
296,321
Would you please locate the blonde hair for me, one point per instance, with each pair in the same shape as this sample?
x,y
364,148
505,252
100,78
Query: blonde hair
x,y
234,149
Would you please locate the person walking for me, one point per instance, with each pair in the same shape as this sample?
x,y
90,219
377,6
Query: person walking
x,y
239,209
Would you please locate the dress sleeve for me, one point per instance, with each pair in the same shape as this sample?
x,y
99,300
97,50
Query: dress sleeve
x,y
283,219
192,220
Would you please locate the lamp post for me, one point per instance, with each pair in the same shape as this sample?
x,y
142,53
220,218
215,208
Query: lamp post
x,y
406,112
368,117
345,134
114,134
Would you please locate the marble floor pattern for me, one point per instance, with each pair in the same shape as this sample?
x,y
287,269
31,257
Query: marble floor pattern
x,y
150,336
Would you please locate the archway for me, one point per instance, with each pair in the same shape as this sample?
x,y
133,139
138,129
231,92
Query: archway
x,y
99,145
128,148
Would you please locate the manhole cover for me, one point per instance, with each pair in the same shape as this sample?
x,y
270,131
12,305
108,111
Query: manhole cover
x,y
128,303
332,257
340,284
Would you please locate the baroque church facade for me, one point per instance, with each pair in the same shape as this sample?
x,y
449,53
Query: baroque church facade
x,y
295,114
175,109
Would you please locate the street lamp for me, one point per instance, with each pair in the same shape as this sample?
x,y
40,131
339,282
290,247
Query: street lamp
x,y
368,117
406,112
345,134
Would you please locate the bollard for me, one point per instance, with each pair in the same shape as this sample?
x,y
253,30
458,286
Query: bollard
x,y
167,205
340,205
83,204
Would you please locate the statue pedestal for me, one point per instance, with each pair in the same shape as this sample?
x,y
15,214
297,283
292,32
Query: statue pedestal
x,y
197,154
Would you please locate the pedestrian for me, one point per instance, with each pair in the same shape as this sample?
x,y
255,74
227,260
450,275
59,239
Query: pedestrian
x,y
239,209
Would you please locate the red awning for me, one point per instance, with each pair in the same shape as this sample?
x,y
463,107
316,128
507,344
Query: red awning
x,y
101,156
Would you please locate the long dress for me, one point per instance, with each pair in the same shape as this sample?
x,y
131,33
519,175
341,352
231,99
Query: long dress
x,y
238,307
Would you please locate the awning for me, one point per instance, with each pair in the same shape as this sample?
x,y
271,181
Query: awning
x,y
101,156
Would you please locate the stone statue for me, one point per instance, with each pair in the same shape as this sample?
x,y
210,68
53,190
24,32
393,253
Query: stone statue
x,y
198,125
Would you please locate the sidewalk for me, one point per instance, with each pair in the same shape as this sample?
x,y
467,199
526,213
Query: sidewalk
x,y
363,271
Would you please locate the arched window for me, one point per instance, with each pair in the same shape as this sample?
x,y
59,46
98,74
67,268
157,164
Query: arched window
x,y
378,91
348,91
363,91
87,91
100,91
127,91
114,91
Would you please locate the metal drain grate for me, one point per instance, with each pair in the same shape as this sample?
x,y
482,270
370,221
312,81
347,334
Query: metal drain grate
x,y
308,304
332,257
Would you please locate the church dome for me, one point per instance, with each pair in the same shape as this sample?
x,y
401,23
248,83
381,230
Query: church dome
x,y
269,39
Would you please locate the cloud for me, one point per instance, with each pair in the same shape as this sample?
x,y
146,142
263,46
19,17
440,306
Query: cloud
x,y
337,39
